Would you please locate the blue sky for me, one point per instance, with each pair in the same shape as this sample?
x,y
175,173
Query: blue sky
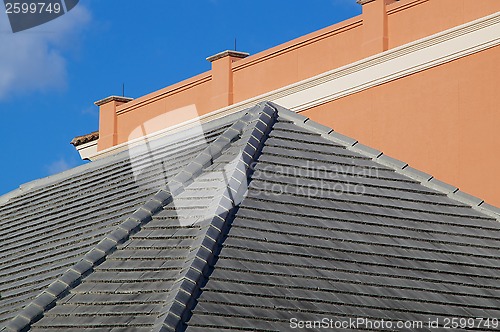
x,y
51,75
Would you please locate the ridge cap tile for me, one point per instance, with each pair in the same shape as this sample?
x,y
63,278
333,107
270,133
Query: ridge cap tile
x,y
441,186
391,162
464,197
492,210
198,263
19,323
45,300
366,150
318,127
95,256
83,266
144,213
342,139
416,174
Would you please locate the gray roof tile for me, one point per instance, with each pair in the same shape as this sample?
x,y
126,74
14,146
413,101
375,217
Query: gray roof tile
x,y
391,162
317,127
466,198
366,150
400,263
337,137
80,207
416,174
273,219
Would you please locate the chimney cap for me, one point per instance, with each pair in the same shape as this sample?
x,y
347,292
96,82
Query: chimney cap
x,y
113,98
223,54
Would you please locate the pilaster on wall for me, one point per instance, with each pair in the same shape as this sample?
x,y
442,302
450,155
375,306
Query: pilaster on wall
x,y
222,77
107,120
375,28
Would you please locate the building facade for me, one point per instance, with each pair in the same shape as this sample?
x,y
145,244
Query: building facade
x,y
413,78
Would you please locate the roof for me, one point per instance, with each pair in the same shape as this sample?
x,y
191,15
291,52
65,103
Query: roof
x,y
49,224
266,217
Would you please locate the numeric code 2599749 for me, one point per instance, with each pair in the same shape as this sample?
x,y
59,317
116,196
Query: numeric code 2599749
x,y
32,7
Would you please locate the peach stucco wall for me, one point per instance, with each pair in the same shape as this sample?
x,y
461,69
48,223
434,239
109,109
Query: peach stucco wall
x,y
302,58
298,59
412,20
191,94
444,121
291,62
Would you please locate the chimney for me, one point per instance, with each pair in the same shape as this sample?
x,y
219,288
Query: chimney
x,y
107,120
222,77
375,31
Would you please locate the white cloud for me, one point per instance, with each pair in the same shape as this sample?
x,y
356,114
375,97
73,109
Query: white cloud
x,y
33,60
59,166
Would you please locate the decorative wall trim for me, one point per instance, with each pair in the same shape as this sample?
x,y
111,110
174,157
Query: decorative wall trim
x,y
298,43
396,63
171,90
398,6
385,67
87,150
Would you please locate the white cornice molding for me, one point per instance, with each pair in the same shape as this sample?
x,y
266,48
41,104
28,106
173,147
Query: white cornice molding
x,y
87,150
382,68
391,65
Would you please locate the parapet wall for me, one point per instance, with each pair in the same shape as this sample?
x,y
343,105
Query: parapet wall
x,y
440,118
